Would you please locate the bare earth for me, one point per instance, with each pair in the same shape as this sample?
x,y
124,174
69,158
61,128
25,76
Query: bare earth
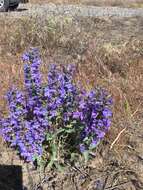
x,y
74,10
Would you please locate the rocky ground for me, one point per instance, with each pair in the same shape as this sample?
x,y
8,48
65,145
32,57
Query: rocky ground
x,y
73,10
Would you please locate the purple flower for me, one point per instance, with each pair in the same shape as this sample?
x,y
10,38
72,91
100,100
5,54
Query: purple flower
x,y
107,113
40,109
82,148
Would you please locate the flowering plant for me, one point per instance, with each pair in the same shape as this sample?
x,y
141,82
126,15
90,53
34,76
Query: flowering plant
x,y
57,120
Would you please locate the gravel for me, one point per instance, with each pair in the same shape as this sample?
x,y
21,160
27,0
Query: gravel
x,y
72,10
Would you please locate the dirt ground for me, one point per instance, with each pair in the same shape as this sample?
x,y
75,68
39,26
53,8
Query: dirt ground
x,y
108,52
121,3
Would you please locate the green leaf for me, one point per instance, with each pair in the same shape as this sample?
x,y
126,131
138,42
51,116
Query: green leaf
x,y
49,137
70,130
60,130
59,167
54,151
86,155
74,156
74,122
69,126
127,107
54,156
51,163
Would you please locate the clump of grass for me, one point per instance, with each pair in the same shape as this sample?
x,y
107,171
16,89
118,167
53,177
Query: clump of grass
x,y
59,33
50,33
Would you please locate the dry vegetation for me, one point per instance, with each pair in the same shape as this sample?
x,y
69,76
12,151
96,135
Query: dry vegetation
x,y
121,3
108,52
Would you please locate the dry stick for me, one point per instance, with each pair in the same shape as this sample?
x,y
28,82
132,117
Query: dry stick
x,y
118,136
136,110
77,169
116,186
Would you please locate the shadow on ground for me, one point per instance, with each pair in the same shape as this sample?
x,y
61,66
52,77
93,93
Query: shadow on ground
x,y
10,177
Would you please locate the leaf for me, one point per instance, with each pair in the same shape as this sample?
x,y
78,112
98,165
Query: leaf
x,y
50,164
69,126
74,156
70,130
85,139
34,158
54,156
91,147
54,151
60,130
86,155
127,107
59,167
49,137
74,122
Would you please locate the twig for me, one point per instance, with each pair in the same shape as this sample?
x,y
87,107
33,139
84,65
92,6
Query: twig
x,y
116,186
105,182
77,169
116,139
136,110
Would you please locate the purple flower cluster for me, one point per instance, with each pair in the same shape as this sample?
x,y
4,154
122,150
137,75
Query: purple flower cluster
x,y
95,113
27,124
47,108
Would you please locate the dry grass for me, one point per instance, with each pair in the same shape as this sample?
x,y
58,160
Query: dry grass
x,y
110,60
105,55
